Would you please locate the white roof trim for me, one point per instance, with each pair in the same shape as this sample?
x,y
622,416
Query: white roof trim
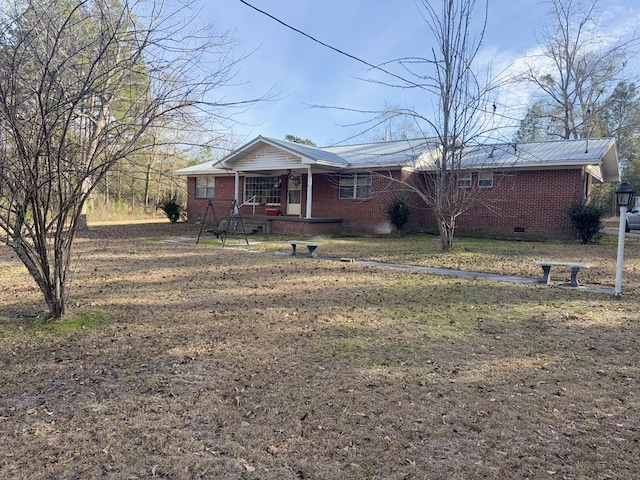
x,y
206,168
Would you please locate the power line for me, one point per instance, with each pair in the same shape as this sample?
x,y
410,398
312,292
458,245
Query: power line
x,y
326,45
357,59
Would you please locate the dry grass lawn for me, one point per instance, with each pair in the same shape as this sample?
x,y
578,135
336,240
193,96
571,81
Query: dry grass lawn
x,y
178,361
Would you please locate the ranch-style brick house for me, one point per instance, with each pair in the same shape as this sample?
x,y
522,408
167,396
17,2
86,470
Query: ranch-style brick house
x,y
521,190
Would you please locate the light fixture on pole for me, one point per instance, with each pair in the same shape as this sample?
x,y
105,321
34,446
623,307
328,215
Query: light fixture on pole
x,y
624,194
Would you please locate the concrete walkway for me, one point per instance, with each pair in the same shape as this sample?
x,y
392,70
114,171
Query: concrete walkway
x,y
476,275
453,273
614,232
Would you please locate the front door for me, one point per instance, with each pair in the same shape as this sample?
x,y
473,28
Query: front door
x,y
294,195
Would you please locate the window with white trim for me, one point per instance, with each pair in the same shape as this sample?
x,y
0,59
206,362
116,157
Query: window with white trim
x,y
464,180
355,185
485,179
266,190
205,187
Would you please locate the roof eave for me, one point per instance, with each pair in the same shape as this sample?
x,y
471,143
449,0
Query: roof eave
x,y
202,170
610,164
322,163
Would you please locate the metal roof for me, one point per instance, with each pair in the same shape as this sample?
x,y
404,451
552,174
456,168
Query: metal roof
x,y
422,153
402,153
206,168
551,154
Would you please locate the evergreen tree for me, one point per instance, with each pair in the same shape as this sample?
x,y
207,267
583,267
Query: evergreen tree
x,y
302,141
533,126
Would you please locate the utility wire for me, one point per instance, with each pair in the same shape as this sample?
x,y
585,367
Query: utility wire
x,y
348,55
341,52
353,57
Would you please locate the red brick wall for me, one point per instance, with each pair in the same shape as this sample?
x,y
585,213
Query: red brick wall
x,y
358,215
197,207
533,201
280,226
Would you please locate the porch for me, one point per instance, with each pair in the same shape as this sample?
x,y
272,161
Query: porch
x,y
291,225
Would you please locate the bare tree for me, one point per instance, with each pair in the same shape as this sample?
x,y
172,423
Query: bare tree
x,y
576,66
82,83
463,112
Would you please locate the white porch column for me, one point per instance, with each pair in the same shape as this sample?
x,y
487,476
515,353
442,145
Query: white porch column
x,y
309,191
237,188
236,193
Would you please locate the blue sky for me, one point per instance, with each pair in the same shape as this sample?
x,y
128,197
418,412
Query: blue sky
x,y
302,73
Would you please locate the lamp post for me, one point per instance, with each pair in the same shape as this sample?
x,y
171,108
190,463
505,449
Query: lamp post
x,y
624,194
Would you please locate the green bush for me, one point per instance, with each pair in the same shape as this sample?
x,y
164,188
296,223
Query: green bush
x,y
398,212
171,207
587,220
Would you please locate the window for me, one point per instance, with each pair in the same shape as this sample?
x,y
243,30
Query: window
x,y
485,179
464,180
204,187
266,190
355,185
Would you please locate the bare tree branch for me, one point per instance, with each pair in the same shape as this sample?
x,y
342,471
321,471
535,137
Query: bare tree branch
x,y
85,86
577,66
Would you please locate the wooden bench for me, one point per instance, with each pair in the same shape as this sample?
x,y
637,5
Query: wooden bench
x,y
546,270
311,247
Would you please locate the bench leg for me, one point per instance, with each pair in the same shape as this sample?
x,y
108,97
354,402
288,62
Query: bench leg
x,y
574,276
546,269
310,250
293,249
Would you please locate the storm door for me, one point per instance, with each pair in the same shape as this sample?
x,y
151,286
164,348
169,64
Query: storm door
x,y
294,195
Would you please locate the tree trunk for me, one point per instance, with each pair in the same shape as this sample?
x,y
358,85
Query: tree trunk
x,y
446,227
106,189
51,284
55,296
83,225
147,183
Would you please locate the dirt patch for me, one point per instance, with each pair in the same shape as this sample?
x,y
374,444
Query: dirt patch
x,y
186,362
